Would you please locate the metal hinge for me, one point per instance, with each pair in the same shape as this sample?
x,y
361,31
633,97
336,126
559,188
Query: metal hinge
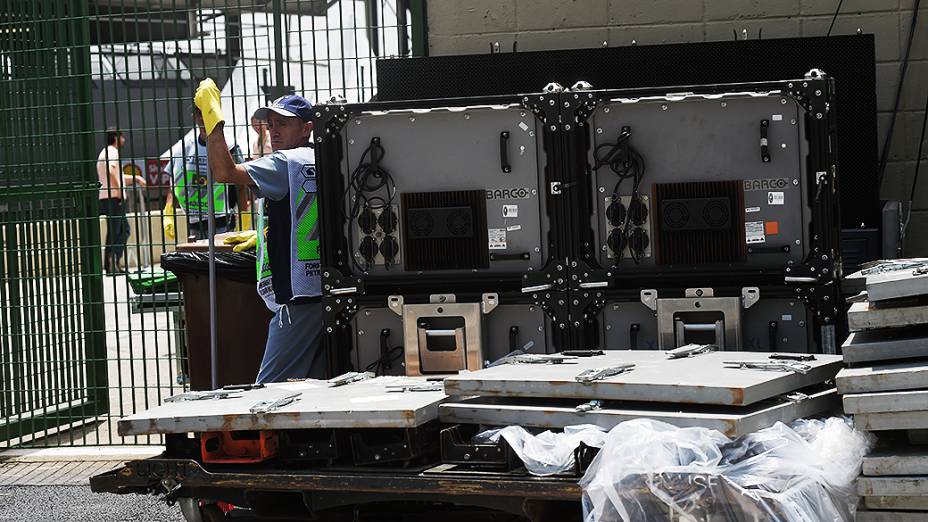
x,y
350,377
200,396
429,386
273,404
595,374
691,350
775,366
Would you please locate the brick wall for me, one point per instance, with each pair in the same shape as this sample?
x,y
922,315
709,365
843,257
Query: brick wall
x,y
472,26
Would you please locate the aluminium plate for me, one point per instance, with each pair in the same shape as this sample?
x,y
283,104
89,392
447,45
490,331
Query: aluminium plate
x,y
732,421
894,285
908,503
702,379
890,516
363,404
897,420
898,461
915,485
885,402
871,316
883,377
883,345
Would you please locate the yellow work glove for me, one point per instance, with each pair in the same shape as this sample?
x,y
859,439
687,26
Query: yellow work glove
x,y
243,241
207,100
249,244
167,221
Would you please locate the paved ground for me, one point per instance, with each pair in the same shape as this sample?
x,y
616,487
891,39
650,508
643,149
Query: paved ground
x,y
52,484
63,503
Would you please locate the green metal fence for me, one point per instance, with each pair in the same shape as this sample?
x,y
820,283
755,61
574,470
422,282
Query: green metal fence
x,y
82,344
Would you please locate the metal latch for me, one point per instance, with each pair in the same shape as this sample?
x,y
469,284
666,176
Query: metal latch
x,y
792,357
273,404
774,366
430,386
587,407
350,377
795,396
691,350
535,358
595,374
200,396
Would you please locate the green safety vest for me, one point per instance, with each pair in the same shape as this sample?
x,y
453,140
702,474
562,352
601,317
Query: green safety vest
x,y
304,266
190,187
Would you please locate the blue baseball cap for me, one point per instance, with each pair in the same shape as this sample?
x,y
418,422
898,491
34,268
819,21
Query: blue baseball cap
x,y
291,105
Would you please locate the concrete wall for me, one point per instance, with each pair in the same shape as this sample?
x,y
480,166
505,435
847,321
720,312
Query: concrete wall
x,y
457,27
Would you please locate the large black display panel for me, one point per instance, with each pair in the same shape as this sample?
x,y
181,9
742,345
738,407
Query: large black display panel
x,y
848,59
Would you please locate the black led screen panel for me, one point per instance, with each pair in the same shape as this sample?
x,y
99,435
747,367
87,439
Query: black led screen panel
x,y
849,59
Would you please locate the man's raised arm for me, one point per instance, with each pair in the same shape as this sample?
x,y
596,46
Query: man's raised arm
x,y
224,168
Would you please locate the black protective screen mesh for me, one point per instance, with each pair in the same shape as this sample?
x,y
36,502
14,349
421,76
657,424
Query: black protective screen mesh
x,y
849,59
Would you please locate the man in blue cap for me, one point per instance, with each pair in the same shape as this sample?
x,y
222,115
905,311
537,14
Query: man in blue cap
x,y
288,257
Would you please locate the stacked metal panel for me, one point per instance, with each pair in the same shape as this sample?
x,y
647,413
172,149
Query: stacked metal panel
x,y
885,386
746,391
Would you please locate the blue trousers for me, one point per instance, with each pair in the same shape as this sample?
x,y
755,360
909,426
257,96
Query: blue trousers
x,y
294,345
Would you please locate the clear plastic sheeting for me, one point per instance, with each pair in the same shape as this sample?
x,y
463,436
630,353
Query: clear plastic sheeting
x,y
547,453
649,470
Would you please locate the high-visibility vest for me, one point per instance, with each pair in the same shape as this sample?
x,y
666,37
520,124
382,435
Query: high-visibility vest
x,y
294,219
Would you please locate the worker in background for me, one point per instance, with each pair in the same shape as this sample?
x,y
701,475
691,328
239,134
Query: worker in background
x,y
112,201
288,252
191,194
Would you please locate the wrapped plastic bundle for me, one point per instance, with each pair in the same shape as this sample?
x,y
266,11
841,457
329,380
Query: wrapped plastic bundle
x,y
649,470
547,453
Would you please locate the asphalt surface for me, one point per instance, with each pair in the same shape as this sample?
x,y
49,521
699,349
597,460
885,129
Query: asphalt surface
x,y
66,503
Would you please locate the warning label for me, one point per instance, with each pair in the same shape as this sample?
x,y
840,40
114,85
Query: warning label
x,y
497,238
754,232
511,211
775,198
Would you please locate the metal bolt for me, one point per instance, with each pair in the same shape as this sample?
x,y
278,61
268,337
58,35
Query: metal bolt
x,y
328,329
522,114
599,130
351,142
562,326
360,332
782,145
663,106
724,104
318,114
325,274
790,85
525,99
466,116
541,328
567,127
554,127
537,249
367,313
785,340
551,102
602,189
792,121
576,323
531,133
606,109
412,118
818,115
328,308
818,92
802,324
608,327
782,101
805,84
795,182
567,103
798,242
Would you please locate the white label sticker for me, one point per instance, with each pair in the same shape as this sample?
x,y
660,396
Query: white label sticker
x,y
777,117
775,198
749,210
513,228
510,211
523,126
497,237
786,318
754,232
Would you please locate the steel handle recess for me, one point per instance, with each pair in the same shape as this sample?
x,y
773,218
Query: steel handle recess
x,y
504,152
